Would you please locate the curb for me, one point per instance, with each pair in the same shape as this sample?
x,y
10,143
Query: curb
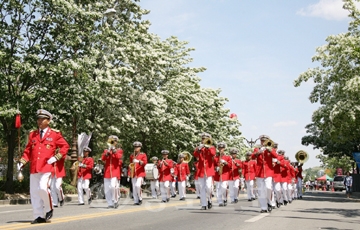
x,y
68,198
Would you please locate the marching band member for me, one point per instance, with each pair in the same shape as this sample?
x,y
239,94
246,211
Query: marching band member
x,y
279,164
264,172
173,180
222,163
154,183
164,167
196,181
205,171
40,151
139,160
84,176
234,180
290,176
182,175
111,158
300,180
284,178
295,181
248,169
56,190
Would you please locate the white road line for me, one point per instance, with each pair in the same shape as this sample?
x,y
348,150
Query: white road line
x,y
256,218
22,210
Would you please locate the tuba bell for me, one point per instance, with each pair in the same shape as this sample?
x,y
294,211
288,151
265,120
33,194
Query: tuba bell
x,y
132,170
301,156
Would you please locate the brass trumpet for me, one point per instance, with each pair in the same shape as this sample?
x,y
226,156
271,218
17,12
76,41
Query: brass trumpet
x,y
208,142
187,157
132,170
269,143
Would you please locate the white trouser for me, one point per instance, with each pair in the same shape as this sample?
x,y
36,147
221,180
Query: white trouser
x,y
234,189
284,192
40,194
205,189
264,186
221,191
299,186
289,191
111,186
172,188
277,189
154,184
182,188
83,185
250,189
57,193
197,188
165,190
136,185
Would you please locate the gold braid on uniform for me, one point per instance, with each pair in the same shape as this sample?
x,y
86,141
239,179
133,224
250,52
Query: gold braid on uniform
x,y
23,161
58,156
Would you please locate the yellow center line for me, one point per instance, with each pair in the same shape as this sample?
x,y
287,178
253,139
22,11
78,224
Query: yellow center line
x,y
94,215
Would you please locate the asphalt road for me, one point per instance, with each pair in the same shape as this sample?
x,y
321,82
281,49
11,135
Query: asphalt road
x,y
318,210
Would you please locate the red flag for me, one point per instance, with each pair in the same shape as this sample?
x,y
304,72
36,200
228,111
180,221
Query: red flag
x,y
17,121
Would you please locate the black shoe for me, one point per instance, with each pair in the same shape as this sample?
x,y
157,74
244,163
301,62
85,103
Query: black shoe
x,y
262,211
253,198
136,204
163,201
89,201
48,215
209,205
301,197
38,220
269,208
173,196
285,202
212,195
225,202
236,200
55,206
140,202
81,204
278,204
203,208
167,199
273,207
110,206
62,202
250,200
221,205
182,198
289,201
198,197
116,205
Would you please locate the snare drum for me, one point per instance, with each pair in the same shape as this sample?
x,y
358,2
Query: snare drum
x,y
152,172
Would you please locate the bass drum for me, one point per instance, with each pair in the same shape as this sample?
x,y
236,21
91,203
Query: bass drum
x,y
152,172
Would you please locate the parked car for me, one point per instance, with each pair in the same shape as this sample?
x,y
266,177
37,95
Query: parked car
x,y
339,183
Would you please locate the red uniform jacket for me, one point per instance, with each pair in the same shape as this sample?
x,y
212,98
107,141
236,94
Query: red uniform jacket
x,y
234,169
291,174
111,166
299,174
86,173
164,170
206,162
139,168
196,169
264,166
182,170
285,171
249,169
59,169
226,168
38,152
278,168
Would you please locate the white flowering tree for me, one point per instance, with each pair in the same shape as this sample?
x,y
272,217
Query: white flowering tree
x,y
335,124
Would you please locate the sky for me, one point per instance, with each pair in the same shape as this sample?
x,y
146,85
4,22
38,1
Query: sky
x,y
253,51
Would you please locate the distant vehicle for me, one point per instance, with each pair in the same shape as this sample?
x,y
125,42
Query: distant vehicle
x,y
339,183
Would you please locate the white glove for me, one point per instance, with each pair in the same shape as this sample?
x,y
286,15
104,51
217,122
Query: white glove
x,y
19,166
217,169
274,160
136,161
200,146
187,177
128,179
222,161
51,160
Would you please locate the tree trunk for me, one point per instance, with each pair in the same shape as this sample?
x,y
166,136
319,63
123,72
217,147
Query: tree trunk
x,y
10,133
